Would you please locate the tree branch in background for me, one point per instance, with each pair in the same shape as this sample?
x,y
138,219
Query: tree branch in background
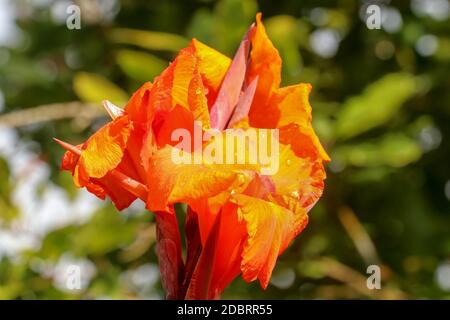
x,y
356,281
361,239
81,112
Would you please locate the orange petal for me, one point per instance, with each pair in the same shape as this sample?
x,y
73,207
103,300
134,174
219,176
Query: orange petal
x,y
311,187
270,229
290,110
121,189
69,163
232,237
173,85
177,118
200,284
120,196
95,167
303,141
70,160
137,110
187,87
179,85
265,63
220,260
293,103
138,105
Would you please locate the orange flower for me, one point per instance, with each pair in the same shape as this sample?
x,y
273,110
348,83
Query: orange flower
x,y
239,220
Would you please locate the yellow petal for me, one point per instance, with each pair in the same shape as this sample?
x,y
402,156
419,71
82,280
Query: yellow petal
x,y
170,182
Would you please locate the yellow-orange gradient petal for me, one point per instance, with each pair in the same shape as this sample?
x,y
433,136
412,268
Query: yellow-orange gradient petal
x,y
187,88
212,66
104,150
290,110
294,174
294,106
246,217
107,185
299,178
169,182
180,85
270,229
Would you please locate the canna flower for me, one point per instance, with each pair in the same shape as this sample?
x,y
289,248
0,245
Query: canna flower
x,y
239,219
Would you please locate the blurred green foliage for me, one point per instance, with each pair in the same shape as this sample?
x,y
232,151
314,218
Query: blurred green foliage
x,y
91,87
380,106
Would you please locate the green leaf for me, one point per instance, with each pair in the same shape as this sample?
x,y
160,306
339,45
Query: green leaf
x,y
286,33
224,28
202,25
110,230
149,39
394,149
106,231
7,210
233,17
139,65
5,185
376,105
94,88
443,50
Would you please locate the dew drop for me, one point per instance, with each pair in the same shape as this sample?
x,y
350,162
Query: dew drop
x,y
241,179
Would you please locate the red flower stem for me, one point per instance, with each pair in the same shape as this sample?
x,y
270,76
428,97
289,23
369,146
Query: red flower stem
x,y
200,284
169,254
194,249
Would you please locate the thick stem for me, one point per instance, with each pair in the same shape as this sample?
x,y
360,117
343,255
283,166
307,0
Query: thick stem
x,y
200,286
194,249
169,254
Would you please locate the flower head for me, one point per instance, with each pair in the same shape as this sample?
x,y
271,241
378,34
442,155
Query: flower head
x,y
240,219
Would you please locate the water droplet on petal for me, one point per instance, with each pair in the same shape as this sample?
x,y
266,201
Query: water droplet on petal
x,y
241,179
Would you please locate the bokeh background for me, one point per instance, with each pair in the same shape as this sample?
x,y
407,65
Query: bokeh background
x,y
381,106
